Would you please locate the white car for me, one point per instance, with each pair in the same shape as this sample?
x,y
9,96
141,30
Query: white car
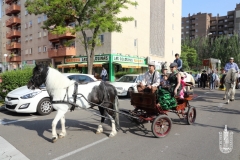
x,y
24,100
127,84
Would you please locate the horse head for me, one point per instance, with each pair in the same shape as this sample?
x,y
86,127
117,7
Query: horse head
x,y
231,76
39,76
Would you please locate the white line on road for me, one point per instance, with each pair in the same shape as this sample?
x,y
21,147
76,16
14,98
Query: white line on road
x,y
80,149
3,123
8,151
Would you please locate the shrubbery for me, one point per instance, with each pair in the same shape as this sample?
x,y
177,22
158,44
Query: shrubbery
x,y
14,79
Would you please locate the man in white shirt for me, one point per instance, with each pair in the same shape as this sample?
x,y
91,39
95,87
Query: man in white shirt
x,y
104,74
151,78
199,79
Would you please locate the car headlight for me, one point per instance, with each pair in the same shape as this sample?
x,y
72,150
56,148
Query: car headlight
x,y
30,95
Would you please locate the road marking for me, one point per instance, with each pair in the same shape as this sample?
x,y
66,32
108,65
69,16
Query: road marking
x,y
80,149
3,123
8,151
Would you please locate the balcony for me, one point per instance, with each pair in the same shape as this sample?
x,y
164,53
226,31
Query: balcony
x,y
13,21
13,45
61,52
14,59
12,9
13,33
54,37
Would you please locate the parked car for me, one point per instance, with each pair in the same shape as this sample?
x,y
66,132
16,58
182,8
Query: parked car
x,y
24,100
127,84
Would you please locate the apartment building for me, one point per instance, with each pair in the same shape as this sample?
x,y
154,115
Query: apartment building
x,y
154,35
204,24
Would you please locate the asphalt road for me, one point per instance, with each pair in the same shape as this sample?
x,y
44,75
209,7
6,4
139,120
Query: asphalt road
x,y
31,135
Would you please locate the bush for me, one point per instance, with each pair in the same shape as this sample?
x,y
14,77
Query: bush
x,y
122,73
14,79
73,70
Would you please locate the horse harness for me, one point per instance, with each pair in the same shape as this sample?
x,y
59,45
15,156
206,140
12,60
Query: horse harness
x,y
66,95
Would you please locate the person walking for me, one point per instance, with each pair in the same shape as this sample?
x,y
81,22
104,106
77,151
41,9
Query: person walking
x,y
230,65
199,79
104,74
179,62
204,79
213,78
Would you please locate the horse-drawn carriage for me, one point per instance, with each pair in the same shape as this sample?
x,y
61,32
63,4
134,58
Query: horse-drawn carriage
x,y
149,111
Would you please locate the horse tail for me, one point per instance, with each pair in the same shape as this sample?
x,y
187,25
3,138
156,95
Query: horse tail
x,y
116,108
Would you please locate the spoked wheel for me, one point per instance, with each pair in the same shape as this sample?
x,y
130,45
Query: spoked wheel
x,y
191,115
161,126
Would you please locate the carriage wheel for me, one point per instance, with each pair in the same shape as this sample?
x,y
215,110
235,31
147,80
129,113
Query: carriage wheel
x,y
191,115
161,126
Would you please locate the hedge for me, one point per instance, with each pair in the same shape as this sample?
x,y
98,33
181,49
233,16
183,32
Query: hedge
x,y
14,79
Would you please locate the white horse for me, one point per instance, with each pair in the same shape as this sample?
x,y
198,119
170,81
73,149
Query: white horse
x,y
189,79
61,90
230,83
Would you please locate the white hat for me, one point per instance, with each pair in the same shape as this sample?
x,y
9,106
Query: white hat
x,y
151,64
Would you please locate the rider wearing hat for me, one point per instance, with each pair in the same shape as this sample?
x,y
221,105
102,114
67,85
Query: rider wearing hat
x,y
230,65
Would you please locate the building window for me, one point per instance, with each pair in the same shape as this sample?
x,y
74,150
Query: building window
x,y
30,37
26,51
39,19
135,23
182,32
196,24
187,32
44,33
26,12
172,40
135,42
135,5
187,26
26,38
173,14
187,21
39,34
30,51
182,27
196,30
172,26
89,39
44,17
39,49
30,24
3,24
44,48
101,38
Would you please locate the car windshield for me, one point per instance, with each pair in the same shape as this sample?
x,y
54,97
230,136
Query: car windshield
x,y
127,79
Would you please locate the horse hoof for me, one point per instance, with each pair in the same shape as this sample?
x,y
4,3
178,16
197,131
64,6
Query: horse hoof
x,y
224,98
112,134
54,139
98,132
61,136
231,99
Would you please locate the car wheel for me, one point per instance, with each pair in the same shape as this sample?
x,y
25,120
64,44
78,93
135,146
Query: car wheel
x,y
44,107
130,90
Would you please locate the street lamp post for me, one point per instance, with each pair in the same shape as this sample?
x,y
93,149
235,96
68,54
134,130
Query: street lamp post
x,y
5,57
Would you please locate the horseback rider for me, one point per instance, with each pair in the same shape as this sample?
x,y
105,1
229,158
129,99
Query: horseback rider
x,y
231,64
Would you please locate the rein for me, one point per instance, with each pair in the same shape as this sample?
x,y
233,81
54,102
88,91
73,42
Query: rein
x,y
66,95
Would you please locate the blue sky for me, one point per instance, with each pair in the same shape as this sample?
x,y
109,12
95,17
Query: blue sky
x,y
208,6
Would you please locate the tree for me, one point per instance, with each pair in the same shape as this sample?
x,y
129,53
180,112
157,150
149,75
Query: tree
x,y
188,56
97,16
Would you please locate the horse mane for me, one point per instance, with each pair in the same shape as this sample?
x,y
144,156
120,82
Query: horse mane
x,y
56,80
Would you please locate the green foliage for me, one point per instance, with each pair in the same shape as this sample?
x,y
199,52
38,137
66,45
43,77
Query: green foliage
x,y
188,56
221,47
73,70
14,79
122,73
99,16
